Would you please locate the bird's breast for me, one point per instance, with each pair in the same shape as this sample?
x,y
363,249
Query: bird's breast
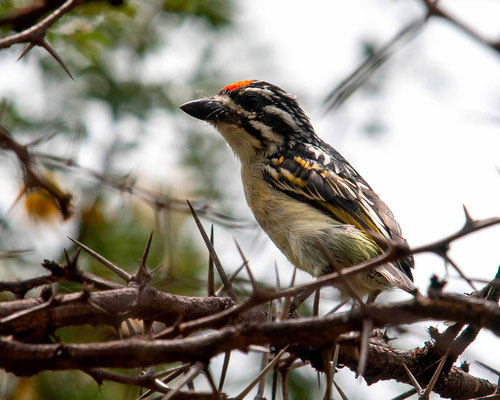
x,y
294,226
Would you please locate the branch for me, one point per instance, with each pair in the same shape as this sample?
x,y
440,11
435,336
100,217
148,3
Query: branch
x,y
434,10
109,307
69,272
315,332
33,178
35,35
386,363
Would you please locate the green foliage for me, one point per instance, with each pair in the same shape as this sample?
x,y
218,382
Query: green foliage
x,y
54,386
217,12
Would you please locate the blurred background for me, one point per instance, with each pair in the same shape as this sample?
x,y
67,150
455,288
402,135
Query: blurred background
x,y
422,129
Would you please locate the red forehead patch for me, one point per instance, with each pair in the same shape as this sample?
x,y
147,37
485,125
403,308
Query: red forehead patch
x,y
236,85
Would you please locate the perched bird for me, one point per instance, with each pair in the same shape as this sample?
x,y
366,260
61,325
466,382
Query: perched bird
x,y
302,192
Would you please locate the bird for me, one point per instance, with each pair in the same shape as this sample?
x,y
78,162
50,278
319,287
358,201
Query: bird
x,y
314,206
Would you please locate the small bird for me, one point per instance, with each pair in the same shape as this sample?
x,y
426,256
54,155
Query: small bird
x,y
303,193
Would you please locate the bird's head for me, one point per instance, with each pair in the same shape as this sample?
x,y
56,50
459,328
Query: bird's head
x,y
255,118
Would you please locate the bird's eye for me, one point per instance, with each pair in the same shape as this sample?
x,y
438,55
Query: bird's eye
x,y
250,101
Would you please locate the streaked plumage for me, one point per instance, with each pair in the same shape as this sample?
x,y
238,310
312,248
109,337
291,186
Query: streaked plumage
x,y
300,189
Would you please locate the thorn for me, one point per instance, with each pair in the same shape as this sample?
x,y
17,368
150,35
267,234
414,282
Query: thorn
x,y
386,337
188,377
225,364
286,307
469,221
66,256
261,375
265,358
156,268
487,367
146,252
245,263
262,382
54,54
119,332
274,389
435,376
211,381
41,139
211,276
117,270
459,270
284,384
363,352
170,373
337,307
327,355
258,349
316,302
277,276
231,279
130,327
147,326
405,395
26,50
227,284
413,380
335,360
341,392
143,276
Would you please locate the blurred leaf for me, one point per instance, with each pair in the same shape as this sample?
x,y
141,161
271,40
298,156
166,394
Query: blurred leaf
x,y
217,12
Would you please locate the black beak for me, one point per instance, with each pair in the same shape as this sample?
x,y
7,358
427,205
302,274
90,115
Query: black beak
x,y
205,109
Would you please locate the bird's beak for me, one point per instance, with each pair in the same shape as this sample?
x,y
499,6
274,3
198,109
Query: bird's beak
x,y
205,109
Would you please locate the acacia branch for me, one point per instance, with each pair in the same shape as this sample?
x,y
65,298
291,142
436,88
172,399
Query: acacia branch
x,y
33,33
108,307
316,332
69,272
386,363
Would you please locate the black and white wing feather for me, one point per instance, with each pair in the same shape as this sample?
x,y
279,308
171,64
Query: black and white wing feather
x,y
321,177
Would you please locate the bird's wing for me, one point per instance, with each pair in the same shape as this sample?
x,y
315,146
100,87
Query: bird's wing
x,y
322,178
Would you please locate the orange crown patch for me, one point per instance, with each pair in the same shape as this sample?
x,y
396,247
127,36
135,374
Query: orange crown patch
x,y
236,85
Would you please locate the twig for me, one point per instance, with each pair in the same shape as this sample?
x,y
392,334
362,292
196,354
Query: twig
x,y
117,270
227,285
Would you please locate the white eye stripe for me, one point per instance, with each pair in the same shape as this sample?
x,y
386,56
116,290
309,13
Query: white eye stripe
x,y
284,115
264,92
267,132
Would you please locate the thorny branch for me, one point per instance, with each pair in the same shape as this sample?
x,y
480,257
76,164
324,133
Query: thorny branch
x,y
240,326
35,35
